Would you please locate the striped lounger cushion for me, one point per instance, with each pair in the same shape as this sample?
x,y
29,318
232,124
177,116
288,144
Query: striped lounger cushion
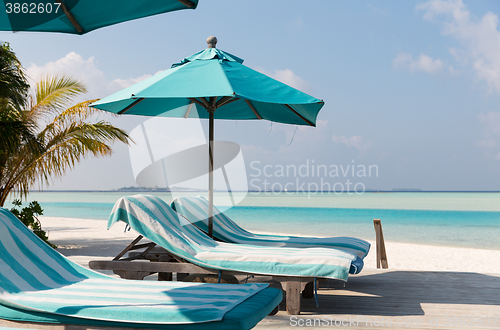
x,y
195,209
37,281
153,218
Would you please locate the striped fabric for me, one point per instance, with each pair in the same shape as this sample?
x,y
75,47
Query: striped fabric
x,y
34,277
153,218
195,209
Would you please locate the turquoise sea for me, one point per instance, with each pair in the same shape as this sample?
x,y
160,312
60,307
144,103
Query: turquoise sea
x,y
464,219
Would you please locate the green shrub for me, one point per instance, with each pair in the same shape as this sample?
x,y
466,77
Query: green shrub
x,y
28,216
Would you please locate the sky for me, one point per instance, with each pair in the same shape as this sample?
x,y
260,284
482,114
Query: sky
x,y
411,88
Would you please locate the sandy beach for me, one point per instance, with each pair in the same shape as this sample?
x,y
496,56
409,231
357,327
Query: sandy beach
x,y
425,287
85,239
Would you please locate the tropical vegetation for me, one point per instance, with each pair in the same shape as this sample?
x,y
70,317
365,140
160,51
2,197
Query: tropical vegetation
x,y
29,216
43,133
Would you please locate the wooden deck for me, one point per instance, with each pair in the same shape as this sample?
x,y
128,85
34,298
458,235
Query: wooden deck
x,y
413,300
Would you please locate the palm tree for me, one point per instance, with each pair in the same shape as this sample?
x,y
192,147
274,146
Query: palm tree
x,y
57,136
13,84
13,95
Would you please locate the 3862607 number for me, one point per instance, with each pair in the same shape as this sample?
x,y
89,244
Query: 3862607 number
x,y
32,8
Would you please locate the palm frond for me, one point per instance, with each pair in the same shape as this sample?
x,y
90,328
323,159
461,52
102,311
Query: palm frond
x,y
65,147
61,142
53,94
80,112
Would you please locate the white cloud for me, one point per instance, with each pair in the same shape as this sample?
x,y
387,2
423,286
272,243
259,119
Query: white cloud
x,y
321,126
423,63
491,122
303,135
355,141
288,77
488,143
479,37
119,84
85,70
491,131
452,71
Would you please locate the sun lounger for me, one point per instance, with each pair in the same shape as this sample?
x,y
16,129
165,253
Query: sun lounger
x,y
41,288
195,210
156,220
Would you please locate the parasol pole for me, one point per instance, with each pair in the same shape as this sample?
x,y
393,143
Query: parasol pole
x,y
211,173
211,42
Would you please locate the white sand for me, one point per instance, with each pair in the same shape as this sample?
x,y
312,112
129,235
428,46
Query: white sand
x,y
83,240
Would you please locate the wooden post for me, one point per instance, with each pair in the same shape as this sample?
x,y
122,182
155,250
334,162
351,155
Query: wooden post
x,y
293,296
381,254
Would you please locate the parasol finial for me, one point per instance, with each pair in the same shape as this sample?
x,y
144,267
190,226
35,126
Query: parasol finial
x,y
211,41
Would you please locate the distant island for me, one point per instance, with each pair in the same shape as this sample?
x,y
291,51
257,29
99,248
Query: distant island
x,y
150,189
406,189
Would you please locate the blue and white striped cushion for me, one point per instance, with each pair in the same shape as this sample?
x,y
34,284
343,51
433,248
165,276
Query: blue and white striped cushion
x,y
195,209
153,218
35,277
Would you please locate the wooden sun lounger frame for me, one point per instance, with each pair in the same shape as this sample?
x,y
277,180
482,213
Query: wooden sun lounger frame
x,y
165,266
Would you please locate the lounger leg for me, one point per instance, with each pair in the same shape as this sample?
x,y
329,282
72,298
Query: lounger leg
x,y
135,275
120,273
308,291
293,296
181,276
164,276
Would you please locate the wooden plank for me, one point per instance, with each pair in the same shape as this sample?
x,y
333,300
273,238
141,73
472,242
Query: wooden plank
x,y
379,237
205,103
406,297
283,279
70,16
155,267
187,3
225,100
133,104
253,109
149,266
213,102
188,110
301,117
192,99
293,296
135,275
149,248
120,273
130,246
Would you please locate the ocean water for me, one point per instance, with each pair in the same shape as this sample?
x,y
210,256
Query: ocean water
x,y
450,219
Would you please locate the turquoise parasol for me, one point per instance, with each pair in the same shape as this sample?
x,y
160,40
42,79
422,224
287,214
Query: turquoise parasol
x,y
80,16
223,88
